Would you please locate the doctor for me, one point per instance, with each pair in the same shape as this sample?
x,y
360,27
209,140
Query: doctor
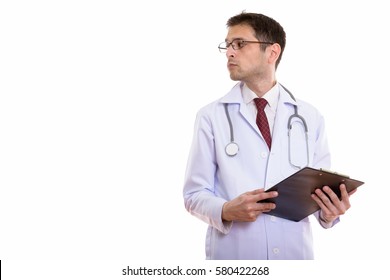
x,y
224,181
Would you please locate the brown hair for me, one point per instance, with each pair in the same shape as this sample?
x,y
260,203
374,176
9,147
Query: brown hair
x,y
266,29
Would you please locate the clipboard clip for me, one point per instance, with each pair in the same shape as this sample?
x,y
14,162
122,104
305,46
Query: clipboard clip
x,y
336,173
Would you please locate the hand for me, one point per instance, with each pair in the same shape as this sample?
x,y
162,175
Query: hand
x,y
331,206
246,208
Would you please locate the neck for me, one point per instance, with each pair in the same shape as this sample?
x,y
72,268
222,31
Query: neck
x,y
260,88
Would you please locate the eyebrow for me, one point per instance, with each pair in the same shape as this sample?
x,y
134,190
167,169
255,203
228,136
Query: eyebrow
x,y
237,38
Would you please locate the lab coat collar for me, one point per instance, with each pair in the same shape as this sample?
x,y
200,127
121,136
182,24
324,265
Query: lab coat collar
x,y
285,97
235,96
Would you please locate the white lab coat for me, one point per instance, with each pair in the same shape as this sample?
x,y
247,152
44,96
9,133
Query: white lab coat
x,y
212,177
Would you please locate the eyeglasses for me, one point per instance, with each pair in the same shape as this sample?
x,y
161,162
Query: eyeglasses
x,y
238,44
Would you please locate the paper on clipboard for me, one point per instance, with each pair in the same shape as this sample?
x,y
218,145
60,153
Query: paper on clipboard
x,y
294,201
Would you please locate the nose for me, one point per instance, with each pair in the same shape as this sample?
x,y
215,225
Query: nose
x,y
230,52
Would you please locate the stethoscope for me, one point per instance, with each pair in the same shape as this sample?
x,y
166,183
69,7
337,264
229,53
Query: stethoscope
x,y
232,148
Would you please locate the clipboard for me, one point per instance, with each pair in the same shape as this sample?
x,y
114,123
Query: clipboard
x,y
294,201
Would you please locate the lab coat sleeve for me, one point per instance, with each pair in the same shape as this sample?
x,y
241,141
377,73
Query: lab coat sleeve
x,y
322,159
200,179
322,223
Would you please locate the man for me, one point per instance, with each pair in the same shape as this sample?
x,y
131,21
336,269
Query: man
x,y
225,185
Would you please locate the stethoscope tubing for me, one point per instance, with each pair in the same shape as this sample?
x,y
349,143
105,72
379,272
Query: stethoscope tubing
x,y
232,147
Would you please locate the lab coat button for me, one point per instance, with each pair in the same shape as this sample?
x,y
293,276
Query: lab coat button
x,y
263,154
275,250
273,218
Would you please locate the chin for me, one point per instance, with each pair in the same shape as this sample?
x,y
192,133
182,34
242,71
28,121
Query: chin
x,y
234,77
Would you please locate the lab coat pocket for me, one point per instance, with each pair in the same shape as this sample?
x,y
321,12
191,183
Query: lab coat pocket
x,y
299,237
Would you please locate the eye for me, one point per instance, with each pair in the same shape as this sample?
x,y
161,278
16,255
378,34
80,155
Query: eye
x,y
240,44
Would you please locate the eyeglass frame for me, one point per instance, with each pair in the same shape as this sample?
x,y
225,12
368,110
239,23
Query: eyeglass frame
x,y
245,42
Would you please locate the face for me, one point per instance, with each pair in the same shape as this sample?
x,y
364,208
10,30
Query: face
x,y
250,62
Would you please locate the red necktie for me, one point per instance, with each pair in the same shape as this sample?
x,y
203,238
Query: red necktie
x,y
262,121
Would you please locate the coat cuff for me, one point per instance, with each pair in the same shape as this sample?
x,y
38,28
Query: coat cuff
x,y
223,226
323,223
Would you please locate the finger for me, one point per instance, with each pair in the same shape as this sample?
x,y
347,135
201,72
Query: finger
x,y
329,202
317,199
325,200
334,199
265,206
266,195
325,210
337,206
344,193
345,198
345,204
256,192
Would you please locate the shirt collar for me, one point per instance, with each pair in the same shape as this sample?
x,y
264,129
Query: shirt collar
x,y
272,96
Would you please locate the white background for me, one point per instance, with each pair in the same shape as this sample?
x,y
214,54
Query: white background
x,y
97,106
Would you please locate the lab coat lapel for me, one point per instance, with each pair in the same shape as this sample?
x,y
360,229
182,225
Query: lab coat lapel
x,y
235,96
245,114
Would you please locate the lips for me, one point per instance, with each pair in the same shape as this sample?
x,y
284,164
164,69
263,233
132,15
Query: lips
x,y
231,64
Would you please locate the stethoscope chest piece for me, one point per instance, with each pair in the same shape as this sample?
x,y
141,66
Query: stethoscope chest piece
x,y
231,149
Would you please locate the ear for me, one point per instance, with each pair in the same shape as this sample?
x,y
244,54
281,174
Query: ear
x,y
274,53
